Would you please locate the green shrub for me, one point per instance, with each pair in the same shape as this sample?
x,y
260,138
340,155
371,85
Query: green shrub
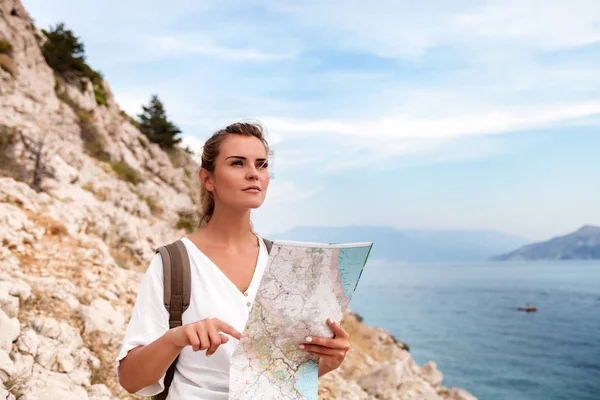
x,y
89,186
155,125
186,224
126,172
65,54
155,208
100,95
5,47
188,221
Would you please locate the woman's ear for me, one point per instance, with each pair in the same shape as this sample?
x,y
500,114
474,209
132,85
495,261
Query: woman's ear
x,y
206,180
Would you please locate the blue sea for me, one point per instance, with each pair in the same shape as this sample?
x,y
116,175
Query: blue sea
x,y
464,317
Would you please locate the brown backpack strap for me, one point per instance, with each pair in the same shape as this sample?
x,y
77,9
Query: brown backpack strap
x,y
177,280
269,245
177,291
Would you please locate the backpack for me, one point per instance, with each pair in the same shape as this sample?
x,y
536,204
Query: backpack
x,y
177,290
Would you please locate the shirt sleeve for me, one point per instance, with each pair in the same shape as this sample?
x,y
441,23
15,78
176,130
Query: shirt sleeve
x,y
149,320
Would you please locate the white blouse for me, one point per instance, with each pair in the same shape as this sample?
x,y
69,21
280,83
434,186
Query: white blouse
x,y
213,295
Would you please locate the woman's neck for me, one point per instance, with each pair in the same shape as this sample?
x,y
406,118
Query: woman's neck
x,y
229,229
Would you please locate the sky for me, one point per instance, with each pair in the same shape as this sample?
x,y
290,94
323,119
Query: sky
x,y
417,115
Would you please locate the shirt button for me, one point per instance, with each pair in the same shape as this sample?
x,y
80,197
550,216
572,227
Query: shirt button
x,y
248,304
246,294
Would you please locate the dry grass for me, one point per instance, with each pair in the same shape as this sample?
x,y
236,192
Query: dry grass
x,y
89,186
106,374
125,259
155,208
7,64
56,254
52,226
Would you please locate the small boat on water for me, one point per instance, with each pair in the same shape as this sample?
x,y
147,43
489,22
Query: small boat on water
x,y
527,308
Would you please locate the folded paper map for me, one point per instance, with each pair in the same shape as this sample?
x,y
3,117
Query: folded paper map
x,y
303,285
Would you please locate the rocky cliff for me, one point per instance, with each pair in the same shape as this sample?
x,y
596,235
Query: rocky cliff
x,y
583,244
84,200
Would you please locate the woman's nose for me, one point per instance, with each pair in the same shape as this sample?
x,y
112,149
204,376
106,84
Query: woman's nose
x,y
252,173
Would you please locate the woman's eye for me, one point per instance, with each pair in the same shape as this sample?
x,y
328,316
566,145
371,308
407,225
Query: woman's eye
x,y
237,162
263,165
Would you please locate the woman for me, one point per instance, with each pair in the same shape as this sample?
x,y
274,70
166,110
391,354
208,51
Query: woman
x,y
227,262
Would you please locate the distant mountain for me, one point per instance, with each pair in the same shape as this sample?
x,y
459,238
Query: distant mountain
x,y
413,245
583,244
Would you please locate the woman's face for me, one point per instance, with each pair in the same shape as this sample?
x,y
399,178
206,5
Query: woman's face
x,y
241,175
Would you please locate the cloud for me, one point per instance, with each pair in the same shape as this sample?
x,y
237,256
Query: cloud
x,y
360,143
340,83
393,29
407,127
181,45
535,23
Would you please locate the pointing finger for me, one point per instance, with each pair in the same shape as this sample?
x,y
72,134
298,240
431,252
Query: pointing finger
x,y
228,329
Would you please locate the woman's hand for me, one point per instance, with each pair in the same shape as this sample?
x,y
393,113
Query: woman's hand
x,y
331,352
203,335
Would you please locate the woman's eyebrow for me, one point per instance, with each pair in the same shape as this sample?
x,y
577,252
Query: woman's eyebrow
x,y
244,158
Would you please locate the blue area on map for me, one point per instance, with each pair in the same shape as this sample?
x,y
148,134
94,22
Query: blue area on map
x,y
307,380
350,264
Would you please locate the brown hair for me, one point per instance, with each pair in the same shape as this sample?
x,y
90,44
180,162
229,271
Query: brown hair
x,y
210,153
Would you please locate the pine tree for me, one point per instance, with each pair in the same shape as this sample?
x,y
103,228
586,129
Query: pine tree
x,y
155,125
64,52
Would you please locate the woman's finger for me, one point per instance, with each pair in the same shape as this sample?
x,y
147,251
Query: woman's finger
x,y
203,335
337,329
313,348
337,343
226,328
193,339
322,341
215,340
224,338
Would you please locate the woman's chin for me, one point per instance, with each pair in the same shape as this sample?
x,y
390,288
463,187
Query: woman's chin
x,y
252,204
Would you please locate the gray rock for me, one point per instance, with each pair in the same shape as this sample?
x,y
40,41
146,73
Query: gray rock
x,y
7,366
60,331
102,317
28,342
47,350
81,376
48,385
431,374
416,388
65,361
9,304
21,289
9,331
383,381
456,394
23,366
100,392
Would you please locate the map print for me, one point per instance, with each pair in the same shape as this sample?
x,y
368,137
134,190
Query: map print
x,y
303,285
